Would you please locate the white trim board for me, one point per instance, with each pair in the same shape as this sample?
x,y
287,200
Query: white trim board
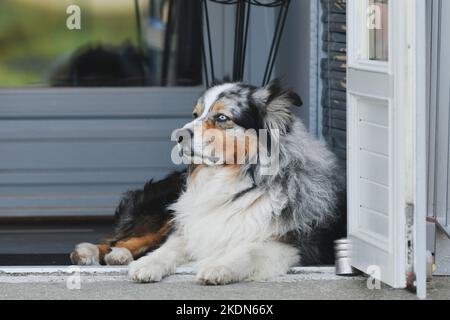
x,y
105,270
112,273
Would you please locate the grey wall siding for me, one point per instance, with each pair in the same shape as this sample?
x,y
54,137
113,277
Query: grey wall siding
x,y
333,74
74,152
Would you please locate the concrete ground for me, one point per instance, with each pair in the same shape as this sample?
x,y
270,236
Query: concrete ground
x,y
112,283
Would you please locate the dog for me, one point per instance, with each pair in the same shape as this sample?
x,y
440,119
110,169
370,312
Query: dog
x,y
233,219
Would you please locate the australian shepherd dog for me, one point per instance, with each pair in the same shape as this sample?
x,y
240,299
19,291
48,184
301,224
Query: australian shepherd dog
x,y
260,196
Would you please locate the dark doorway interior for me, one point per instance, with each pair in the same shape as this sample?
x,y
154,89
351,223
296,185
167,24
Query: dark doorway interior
x,y
19,245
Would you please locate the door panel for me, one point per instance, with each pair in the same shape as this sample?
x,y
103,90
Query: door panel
x,y
377,112
374,196
374,167
367,142
375,132
374,223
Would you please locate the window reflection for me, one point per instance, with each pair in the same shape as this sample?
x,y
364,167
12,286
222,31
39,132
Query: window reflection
x,y
379,30
121,43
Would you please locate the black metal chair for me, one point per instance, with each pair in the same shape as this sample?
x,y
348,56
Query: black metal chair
x,y
243,16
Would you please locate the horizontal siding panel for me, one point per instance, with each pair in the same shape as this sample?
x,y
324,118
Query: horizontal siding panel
x,y
334,47
85,155
374,112
68,201
98,102
327,102
373,222
88,129
334,6
336,27
80,177
58,212
50,190
75,166
328,65
75,151
69,198
374,197
374,138
334,37
374,167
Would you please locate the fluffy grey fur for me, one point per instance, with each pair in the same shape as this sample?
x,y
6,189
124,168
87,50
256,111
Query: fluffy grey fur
x,y
308,189
305,189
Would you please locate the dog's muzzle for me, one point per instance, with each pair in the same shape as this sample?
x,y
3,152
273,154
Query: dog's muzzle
x,y
184,139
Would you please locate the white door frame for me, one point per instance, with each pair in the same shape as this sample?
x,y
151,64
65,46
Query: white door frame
x,y
420,168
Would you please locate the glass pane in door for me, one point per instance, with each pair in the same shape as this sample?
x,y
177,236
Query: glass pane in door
x,y
378,15
119,43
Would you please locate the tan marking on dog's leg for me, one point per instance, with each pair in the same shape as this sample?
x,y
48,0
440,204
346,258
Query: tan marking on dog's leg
x,y
103,249
138,246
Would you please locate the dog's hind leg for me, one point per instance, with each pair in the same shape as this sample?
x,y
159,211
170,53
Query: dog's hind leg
x,y
125,251
118,253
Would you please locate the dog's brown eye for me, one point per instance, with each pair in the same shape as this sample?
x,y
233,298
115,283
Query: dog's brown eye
x,y
195,115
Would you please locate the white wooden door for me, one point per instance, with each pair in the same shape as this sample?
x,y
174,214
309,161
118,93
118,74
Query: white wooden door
x,y
377,57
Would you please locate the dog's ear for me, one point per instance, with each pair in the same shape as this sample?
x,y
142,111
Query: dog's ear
x,y
276,102
276,91
225,79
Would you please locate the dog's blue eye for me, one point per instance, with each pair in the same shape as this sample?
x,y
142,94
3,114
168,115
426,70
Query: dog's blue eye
x,y
222,118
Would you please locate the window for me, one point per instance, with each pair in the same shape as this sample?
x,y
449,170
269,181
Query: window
x,y
378,30
126,43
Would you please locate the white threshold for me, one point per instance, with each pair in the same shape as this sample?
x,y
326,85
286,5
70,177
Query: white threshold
x,y
308,273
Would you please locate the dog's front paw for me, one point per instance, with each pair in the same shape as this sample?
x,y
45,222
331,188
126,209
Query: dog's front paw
x,y
146,270
119,257
215,275
85,254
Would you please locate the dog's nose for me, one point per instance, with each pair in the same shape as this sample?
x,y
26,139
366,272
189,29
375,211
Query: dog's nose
x,y
183,135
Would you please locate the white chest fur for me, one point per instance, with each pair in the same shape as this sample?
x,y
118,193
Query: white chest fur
x,y
212,222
